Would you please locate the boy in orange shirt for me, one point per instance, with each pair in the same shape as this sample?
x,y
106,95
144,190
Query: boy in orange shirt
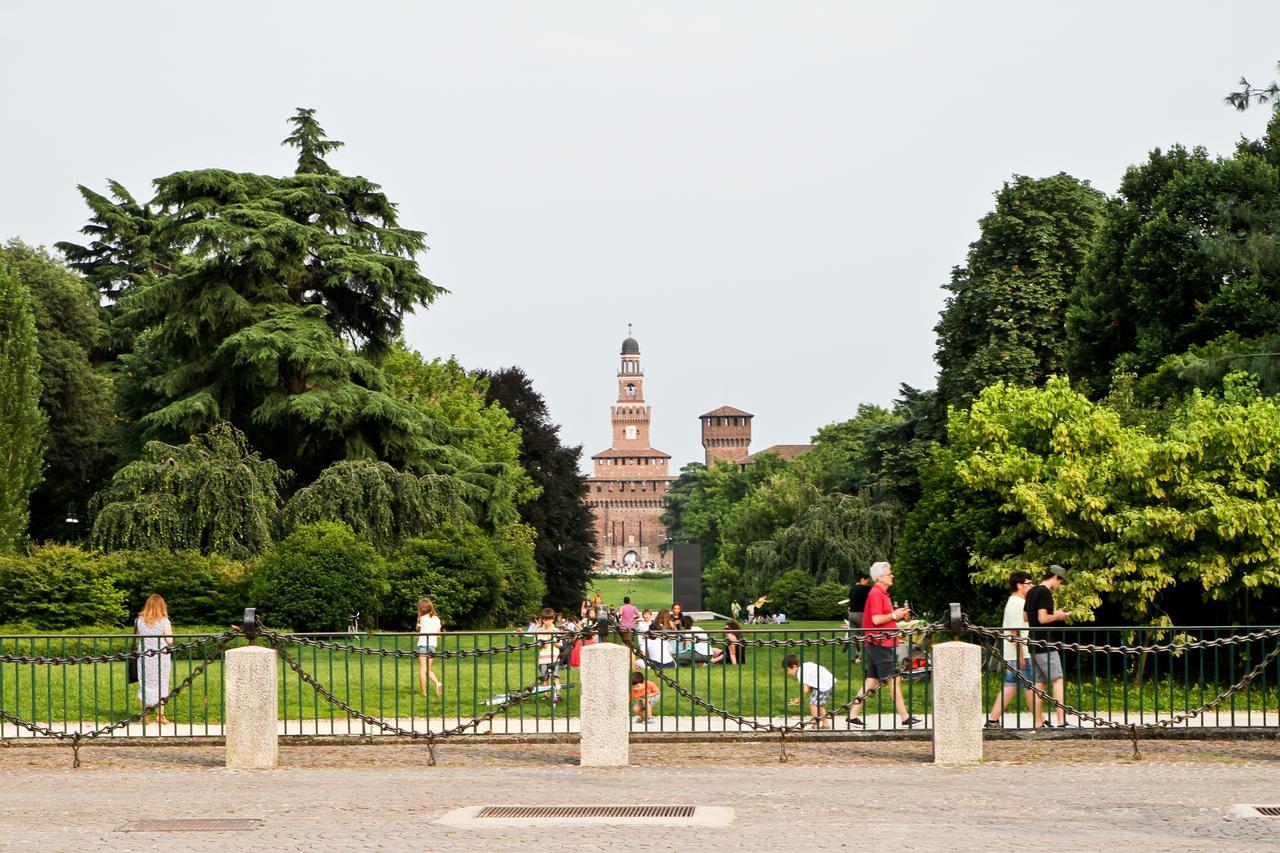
x,y
643,694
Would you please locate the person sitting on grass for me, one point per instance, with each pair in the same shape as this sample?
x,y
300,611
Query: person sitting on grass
x,y
696,646
643,694
816,679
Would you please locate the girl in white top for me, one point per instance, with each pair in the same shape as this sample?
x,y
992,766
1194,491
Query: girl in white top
x,y
429,631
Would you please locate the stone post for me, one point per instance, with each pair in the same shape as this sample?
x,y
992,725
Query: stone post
x,y
957,703
604,714
252,708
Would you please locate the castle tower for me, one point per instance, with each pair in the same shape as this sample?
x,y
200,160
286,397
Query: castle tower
x,y
630,479
726,434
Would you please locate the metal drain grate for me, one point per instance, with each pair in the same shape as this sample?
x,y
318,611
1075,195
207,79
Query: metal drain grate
x,y
193,825
1268,811
571,812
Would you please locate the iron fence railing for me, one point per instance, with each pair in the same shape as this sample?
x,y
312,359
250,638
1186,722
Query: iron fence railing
x,y
1146,675
80,682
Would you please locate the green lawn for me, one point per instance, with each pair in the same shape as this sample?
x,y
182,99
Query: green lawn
x,y
651,593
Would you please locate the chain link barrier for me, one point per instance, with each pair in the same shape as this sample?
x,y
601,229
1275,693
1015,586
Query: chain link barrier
x,y
904,668
991,638
217,645
279,641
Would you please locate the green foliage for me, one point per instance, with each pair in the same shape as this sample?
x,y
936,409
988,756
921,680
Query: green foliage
x,y
1136,516
565,546
1186,254
825,601
790,593
458,568
380,504
1004,318
721,584
76,398
214,494
842,459
523,589
318,576
59,586
835,538
445,393
22,424
198,589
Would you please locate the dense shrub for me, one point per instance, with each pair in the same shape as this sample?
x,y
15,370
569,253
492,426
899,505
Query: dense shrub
x,y
789,594
199,590
456,567
824,601
318,576
523,586
59,586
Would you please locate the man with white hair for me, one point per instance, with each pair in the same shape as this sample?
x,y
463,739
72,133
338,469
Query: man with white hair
x,y
880,618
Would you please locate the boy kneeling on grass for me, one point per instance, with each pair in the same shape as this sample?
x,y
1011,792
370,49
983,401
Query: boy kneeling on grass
x,y
812,677
643,693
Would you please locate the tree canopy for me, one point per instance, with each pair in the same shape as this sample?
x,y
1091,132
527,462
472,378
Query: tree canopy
x,y
22,423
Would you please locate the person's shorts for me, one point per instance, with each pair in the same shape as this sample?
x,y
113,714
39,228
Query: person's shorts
x,y
881,661
820,698
1025,672
1048,666
548,670
426,650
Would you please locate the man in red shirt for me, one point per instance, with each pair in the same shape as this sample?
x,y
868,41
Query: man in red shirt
x,y
880,617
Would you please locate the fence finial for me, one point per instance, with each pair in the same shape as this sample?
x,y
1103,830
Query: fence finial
x,y
956,621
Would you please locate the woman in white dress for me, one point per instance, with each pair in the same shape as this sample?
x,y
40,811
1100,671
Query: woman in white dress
x,y
154,633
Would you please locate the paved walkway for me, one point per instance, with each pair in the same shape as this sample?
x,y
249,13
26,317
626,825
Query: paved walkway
x,y
1064,795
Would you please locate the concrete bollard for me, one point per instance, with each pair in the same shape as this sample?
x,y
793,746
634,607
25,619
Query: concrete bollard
x,y
606,740
957,703
252,708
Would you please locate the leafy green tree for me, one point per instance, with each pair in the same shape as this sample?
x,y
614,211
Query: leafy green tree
x,y
23,425
380,504
446,393
213,494
841,460
790,593
1140,518
317,577
1004,318
1185,254
1262,95
458,568
565,548
75,397
522,590
56,587
714,493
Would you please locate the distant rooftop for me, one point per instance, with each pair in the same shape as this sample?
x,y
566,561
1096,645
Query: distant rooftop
x,y
786,452
727,412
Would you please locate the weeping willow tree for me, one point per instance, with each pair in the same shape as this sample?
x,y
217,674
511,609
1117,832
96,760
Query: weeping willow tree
x,y
836,537
380,504
213,494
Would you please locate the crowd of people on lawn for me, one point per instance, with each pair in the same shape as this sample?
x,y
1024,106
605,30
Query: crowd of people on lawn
x,y
671,638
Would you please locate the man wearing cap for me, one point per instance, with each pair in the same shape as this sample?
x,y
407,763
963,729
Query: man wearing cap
x,y
1046,665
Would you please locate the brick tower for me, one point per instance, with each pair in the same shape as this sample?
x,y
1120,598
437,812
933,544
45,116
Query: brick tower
x,y
726,434
630,480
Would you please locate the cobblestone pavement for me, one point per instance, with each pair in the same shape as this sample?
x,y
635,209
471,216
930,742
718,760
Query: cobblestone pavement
x,y
830,795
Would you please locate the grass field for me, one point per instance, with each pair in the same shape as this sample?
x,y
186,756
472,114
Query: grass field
x,y
651,593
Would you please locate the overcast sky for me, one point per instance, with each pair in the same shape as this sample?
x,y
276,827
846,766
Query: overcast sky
x,y
773,193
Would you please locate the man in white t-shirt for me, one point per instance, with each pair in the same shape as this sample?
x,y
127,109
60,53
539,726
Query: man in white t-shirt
x,y
1014,652
816,679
